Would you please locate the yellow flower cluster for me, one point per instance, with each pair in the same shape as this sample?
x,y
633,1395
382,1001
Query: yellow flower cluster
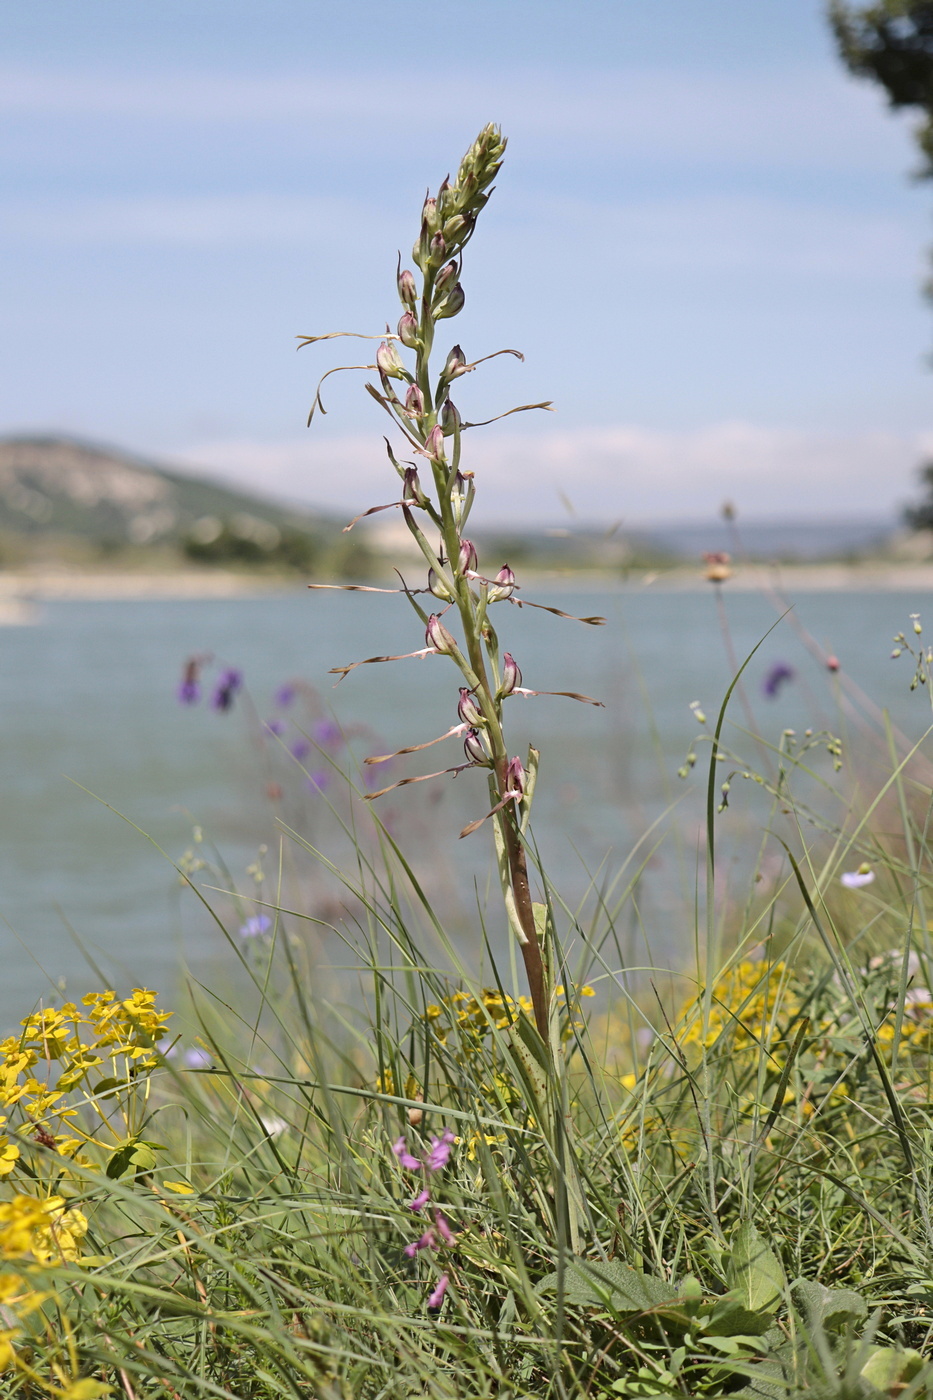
x,y
40,1231
64,1045
744,1006
33,1232
476,1015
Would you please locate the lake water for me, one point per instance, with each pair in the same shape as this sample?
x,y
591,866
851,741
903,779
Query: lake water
x,y
88,706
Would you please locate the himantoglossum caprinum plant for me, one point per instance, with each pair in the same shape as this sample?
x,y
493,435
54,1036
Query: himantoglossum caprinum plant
x,y
418,400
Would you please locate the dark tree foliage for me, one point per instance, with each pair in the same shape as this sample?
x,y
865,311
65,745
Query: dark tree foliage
x,y
920,516
892,43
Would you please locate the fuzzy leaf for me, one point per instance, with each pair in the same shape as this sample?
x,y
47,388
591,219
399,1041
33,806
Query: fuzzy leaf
x,y
891,1370
617,1286
830,1308
754,1271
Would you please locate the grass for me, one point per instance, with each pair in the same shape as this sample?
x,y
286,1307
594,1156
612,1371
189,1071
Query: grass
x,y
718,1190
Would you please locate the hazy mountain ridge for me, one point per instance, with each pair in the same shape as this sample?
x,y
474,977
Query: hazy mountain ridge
x,y
63,486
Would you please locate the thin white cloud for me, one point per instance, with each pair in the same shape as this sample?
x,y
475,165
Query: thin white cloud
x,y
186,220
639,474
699,235
810,118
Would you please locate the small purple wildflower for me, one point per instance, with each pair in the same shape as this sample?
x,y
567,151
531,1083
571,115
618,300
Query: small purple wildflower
x,y
300,750
327,734
284,696
778,674
443,1227
319,780
275,726
255,926
420,1200
197,1059
437,1297
410,1163
427,1241
189,692
227,687
439,1155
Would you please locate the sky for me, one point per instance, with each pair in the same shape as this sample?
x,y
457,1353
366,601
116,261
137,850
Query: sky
x,y
705,238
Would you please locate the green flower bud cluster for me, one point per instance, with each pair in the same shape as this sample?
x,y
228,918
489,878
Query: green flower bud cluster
x,y
447,221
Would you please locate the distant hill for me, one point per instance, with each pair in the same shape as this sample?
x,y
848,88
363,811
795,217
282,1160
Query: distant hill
x,y
58,491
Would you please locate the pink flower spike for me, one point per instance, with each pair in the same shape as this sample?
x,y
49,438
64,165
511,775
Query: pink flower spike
x,y
437,1297
420,1200
427,1241
401,1151
443,1227
439,1155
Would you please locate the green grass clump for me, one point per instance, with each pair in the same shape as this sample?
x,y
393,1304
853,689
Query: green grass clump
x,y
724,1191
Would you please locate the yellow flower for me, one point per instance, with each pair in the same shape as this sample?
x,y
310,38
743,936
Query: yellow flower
x,y
43,1230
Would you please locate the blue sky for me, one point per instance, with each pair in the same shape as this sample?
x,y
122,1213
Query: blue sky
x,y
704,238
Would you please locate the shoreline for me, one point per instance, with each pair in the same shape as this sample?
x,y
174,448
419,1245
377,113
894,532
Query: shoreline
x,y
20,593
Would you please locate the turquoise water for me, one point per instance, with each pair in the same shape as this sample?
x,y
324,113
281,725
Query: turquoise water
x,y
88,706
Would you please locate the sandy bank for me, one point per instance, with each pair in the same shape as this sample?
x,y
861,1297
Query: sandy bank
x,y
21,592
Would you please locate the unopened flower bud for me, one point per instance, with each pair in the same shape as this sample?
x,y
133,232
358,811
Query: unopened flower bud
x,y
429,214
515,777
455,365
407,290
452,304
468,710
408,331
467,559
473,747
437,250
434,443
414,401
455,228
459,498
411,487
438,587
446,277
503,587
511,675
438,637
389,361
450,418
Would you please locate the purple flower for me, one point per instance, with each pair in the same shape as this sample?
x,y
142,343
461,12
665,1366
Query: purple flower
x,y
439,1155
410,1163
227,687
443,1227
300,749
327,734
189,692
318,781
284,696
437,1297
197,1059
255,926
777,675
427,1241
275,726
420,1200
